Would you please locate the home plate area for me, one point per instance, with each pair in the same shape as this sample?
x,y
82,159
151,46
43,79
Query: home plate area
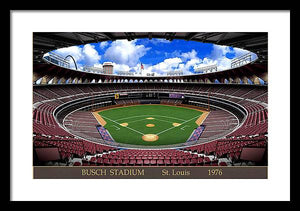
x,y
150,137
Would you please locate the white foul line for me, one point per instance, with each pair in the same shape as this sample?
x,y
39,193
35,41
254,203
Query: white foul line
x,y
175,127
184,127
149,115
145,120
126,127
116,127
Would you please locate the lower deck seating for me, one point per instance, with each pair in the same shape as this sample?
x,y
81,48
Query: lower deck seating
x,y
70,147
150,158
229,147
47,133
207,154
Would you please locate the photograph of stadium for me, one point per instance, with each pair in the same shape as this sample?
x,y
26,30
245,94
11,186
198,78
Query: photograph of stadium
x,y
148,102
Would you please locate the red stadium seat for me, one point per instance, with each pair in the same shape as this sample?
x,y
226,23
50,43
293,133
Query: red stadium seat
x,y
194,161
99,161
160,162
139,162
77,164
125,162
106,161
132,162
222,164
167,162
153,162
146,162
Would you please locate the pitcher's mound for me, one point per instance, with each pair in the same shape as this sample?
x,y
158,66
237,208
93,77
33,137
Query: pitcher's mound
x,y
150,125
176,124
150,137
125,124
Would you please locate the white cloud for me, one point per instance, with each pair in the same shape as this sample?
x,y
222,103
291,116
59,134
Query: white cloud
x,y
188,61
189,55
126,55
184,61
91,56
125,52
103,44
120,67
98,65
239,52
74,51
156,41
165,66
86,55
219,51
218,57
175,53
192,63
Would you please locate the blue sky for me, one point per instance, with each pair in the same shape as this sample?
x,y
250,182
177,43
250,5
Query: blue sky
x,y
158,56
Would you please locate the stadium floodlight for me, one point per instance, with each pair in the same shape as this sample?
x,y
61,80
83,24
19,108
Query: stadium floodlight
x,y
242,60
56,59
93,69
174,72
206,69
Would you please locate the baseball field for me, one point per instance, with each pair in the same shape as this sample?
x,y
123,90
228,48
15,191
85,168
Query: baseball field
x,y
150,125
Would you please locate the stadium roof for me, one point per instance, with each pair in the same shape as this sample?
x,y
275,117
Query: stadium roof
x,y
256,42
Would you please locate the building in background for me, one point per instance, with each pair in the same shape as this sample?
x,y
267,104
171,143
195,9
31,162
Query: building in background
x,y
108,68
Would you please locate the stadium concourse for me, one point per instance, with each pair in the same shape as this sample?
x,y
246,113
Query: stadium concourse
x,y
64,120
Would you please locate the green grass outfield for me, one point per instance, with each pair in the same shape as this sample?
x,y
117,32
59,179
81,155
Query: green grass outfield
x,y
163,118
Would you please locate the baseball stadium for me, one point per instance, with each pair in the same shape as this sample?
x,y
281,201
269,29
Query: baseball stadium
x,y
96,117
